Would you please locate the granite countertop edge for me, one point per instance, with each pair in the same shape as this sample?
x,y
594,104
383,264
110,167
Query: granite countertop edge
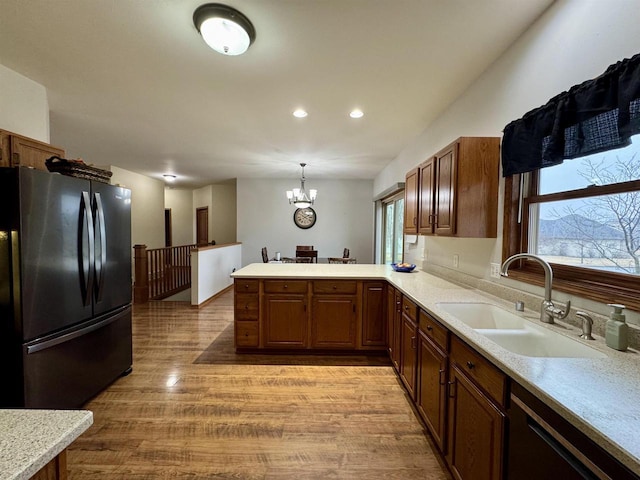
x,y
29,439
597,396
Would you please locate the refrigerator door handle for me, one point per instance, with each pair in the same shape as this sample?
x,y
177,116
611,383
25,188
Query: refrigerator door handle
x,y
37,347
87,258
103,246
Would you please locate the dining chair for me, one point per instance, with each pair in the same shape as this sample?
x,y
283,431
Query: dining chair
x,y
345,253
304,259
304,247
342,260
307,251
265,257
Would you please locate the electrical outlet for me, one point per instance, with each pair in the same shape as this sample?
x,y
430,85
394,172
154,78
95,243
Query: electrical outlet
x,y
495,270
456,260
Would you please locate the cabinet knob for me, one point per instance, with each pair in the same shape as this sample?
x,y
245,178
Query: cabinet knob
x,y
286,286
246,307
246,334
246,285
471,364
429,328
335,287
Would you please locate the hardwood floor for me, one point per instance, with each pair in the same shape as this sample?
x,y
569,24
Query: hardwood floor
x,y
228,418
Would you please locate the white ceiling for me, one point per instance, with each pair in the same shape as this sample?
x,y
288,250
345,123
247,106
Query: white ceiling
x,y
132,84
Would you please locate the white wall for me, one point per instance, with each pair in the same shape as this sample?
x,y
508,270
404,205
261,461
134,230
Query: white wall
x,y
222,214
24,106
345,217
211,268
147,207
573,41
220,199
180,201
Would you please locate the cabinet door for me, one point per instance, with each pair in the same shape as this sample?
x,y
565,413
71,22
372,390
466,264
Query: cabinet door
x,y
334,321
396,326
409,355
426,197
445,195
27,152
374,325
411,201
432,388
285,321
475,431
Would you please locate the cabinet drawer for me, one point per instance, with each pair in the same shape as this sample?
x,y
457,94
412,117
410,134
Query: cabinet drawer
x,y
335,286
476,367
246,334
410,309
247,306
434,330
285,286
246,286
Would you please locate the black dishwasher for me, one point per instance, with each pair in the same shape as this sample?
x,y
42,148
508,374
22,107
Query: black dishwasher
x,y
543,445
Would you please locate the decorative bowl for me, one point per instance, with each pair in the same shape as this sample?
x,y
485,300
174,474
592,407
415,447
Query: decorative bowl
x,y
405,269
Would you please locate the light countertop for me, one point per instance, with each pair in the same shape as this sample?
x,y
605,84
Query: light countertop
x,y
29,439
600,397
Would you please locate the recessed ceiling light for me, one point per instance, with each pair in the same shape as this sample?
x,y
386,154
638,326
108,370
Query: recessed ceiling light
x,y
300,113
356,113
169,178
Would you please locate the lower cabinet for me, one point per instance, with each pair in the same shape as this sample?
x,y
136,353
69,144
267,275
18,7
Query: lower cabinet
x,y
476,416
285,321
285,316
374,321
409,347
432,388
394,319
335,320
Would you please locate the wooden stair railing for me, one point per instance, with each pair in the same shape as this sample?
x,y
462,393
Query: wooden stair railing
x,y
161,272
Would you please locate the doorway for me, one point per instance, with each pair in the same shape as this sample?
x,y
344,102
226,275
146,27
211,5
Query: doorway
x,y
167,228
202,225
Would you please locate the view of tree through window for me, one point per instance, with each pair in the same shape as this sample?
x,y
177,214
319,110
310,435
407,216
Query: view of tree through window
x,y
574,222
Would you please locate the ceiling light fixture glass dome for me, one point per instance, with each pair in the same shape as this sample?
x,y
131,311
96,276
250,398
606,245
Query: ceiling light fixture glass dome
x,y
224,29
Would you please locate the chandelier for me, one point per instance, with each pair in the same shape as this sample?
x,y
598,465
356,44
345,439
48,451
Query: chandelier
x,y
298,196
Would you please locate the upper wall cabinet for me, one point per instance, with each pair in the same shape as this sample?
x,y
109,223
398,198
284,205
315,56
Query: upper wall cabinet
x,y
411,190
16,150
458,190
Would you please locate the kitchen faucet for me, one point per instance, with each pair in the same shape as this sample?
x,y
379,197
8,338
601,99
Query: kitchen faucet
x,y
548,311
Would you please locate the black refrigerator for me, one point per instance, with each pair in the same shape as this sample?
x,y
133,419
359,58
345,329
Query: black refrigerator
x,y
65,288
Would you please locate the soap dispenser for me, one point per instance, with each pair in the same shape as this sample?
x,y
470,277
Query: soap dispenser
x,y
616,334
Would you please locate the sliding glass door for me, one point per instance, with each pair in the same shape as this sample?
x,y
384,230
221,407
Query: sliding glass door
x,y
393,214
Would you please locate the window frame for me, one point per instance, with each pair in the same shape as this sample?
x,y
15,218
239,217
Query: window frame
x,y
394,198
596,285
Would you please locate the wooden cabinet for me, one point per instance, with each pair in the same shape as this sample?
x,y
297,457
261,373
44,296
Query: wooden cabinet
x,y
374,321
431,394
285,314
247,313
476,418
409,346
335,314
458,190
394,325
16,150
411,187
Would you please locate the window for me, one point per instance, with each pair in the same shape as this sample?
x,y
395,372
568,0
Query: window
x,y
393,215
583,217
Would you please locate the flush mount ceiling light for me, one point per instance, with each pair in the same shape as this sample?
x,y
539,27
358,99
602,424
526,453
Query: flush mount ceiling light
x,y
224,29
356,113
299,197
299,113
169,178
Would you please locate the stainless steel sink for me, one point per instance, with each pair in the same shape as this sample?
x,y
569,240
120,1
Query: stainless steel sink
x,y
517,334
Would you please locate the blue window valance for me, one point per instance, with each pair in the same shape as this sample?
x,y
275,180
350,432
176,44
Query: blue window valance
x,y
597,115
